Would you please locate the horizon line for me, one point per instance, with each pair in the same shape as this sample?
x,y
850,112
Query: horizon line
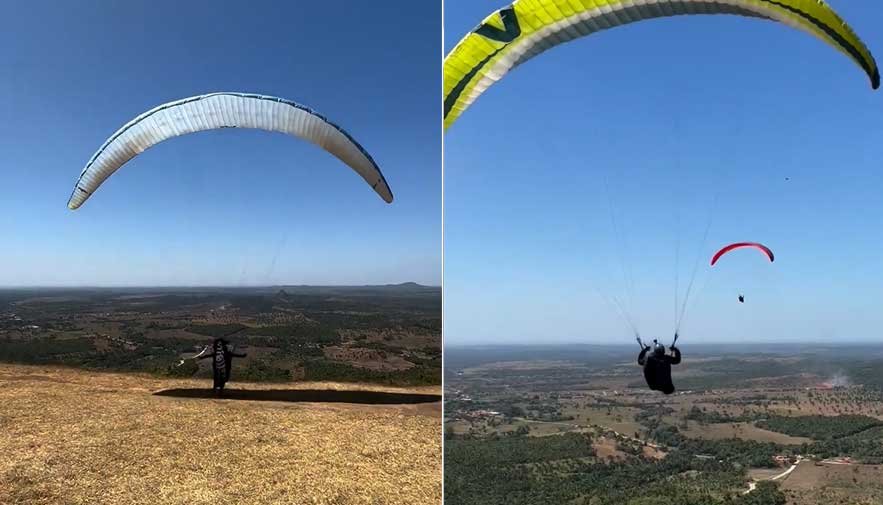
x,y
606,344
213,286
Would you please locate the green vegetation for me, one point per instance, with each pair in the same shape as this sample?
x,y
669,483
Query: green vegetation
x,y
747,453
868,373
82,352
736,373
705,417
282,330
866,446
518,470
820,427
44,350
213,330
767,493
517,450
297,333
261,371
324,370
628,446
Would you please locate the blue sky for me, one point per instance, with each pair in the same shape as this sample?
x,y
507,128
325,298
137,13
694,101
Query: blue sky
x,y
662,127
224,207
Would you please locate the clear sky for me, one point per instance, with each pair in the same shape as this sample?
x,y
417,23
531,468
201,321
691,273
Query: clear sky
x,y
228,207
654,129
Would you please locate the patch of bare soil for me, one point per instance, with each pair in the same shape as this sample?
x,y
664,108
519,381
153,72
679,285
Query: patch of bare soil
x,y
653,453
606,450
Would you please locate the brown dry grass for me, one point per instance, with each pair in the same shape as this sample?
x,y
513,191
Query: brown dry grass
x,y
764,473
809,476
744,431
829,484
74,437
620,419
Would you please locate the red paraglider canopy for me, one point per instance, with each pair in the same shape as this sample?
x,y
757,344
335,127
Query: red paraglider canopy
x,y
738,245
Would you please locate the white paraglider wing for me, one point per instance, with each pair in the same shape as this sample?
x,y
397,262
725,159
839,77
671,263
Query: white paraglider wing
x,y
224,110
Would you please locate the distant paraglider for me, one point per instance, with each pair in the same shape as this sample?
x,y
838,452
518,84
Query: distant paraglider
x,y
512,35
224,110
740,245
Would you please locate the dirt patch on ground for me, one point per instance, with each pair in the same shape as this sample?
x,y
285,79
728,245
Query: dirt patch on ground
x,y
74,437
606,449
653,453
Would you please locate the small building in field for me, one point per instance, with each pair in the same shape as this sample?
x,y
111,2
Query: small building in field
x,y
782,460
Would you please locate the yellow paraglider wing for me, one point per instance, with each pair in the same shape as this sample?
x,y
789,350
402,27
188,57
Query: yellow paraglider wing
x,y
526,28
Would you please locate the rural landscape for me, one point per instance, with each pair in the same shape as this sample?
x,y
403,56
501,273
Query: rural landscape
x,y
338,400
759,425
382,334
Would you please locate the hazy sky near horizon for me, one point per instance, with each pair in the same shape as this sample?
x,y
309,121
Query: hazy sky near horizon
x,y
228,207
606,158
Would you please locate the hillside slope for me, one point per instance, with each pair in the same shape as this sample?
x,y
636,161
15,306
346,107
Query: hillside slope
x,y
74,437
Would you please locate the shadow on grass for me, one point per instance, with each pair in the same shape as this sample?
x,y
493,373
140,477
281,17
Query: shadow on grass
x,y
305,395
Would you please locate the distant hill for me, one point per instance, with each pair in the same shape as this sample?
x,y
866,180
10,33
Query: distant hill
x,y
406,288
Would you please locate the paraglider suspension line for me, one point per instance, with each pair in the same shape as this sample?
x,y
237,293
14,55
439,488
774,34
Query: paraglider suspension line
x,y
683,311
